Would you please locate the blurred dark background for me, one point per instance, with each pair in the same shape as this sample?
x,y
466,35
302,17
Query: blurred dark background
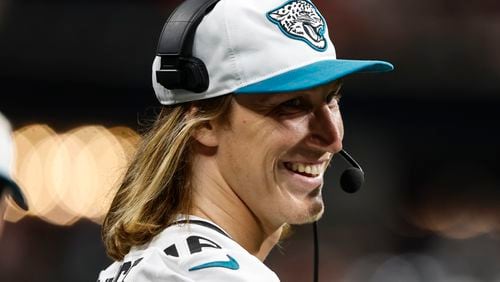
x,y
426,134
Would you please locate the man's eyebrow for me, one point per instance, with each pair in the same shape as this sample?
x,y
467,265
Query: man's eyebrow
x,y
276,98
279,97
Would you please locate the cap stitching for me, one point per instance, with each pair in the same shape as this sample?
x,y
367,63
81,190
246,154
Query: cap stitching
x,y
232,53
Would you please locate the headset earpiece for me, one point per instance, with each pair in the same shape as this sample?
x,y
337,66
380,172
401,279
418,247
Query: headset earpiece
x,y
178,68
189,74
194,75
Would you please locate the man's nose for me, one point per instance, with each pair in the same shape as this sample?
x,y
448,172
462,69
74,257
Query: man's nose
x,y
327,129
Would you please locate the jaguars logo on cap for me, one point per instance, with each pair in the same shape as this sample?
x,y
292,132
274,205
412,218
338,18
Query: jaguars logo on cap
x,y
301,20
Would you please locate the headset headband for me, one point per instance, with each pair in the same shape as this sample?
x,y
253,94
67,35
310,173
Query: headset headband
x,y
179,70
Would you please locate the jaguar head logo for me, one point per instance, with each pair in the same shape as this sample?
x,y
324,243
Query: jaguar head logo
x,y
301,20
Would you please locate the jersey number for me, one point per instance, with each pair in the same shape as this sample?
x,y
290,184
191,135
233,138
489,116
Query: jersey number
x,y
124,271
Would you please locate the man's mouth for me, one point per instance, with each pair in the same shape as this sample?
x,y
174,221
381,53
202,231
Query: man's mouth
x,y
309,170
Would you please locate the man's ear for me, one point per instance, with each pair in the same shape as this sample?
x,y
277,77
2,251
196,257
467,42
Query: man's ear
x,y
206,135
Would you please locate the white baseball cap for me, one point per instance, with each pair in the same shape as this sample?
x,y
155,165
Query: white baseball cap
x,y
6,158
264,46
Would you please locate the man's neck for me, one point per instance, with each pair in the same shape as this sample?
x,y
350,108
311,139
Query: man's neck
x,y
249,237
214,200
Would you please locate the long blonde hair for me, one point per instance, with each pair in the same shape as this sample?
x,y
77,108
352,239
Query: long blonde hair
x,y
156,186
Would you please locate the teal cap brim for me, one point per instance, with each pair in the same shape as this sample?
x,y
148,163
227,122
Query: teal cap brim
x,y
313,75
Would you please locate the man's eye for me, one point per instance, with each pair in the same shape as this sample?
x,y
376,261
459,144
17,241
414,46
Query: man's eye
x,y
291,107
292,103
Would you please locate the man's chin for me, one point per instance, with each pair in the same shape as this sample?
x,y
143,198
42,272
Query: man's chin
x,y
317,213
314,213
317,208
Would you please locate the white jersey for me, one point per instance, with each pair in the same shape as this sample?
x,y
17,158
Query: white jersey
x,y
195,251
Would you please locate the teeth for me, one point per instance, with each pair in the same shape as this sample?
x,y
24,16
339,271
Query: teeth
x,y
308,169
313,169
302,168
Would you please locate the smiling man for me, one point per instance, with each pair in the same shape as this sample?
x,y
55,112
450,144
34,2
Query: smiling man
x,y
250,122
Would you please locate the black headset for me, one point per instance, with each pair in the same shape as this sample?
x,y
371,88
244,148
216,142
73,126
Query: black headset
x,y
178,68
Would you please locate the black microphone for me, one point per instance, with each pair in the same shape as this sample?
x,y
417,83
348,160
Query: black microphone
x,y
352,178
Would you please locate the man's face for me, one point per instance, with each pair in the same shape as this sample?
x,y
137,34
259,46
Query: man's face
x,y
276,149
